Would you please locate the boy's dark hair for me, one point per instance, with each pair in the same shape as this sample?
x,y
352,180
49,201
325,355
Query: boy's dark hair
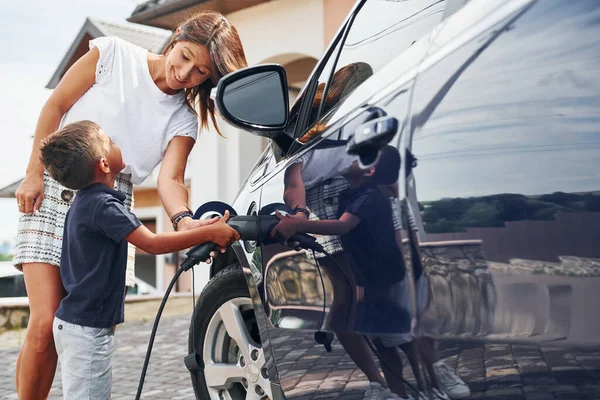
x,y
387,169
70,154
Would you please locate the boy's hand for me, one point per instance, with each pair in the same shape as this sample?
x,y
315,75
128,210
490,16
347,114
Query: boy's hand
x,y
224,235
189,223
285,228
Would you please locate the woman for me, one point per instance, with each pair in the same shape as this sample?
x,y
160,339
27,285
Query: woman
x,y
147,104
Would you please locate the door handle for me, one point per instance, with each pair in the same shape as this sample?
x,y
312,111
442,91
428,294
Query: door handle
x,y
370,137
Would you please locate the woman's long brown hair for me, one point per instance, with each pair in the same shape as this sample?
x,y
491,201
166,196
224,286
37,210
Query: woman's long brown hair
x,y
213,30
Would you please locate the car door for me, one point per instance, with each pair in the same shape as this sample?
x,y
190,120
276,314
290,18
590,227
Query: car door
x,y
367,75
505,194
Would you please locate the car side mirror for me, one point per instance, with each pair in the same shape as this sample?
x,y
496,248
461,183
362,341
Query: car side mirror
x,y
254,99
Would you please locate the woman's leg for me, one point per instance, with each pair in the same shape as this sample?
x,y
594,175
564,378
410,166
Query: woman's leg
x,y
359,351
391,365
429,356
37,360
411,349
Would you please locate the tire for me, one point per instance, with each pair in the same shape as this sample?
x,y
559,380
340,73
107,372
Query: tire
x,y
224,316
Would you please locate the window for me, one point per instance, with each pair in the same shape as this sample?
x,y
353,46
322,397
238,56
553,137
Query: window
x,y
381,31
328,63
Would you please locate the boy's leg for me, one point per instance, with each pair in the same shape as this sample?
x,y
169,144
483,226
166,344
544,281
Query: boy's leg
x,y
85,356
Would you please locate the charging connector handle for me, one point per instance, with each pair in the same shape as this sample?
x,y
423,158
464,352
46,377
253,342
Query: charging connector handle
x,y
250,227
198,254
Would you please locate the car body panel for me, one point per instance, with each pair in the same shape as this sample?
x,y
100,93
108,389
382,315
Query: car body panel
x,y
499,105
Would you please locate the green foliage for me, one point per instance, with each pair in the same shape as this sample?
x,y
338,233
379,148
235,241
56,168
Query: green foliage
x,y
457,214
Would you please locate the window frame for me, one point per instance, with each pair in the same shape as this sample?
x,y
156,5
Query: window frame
x,y
303,124
308,93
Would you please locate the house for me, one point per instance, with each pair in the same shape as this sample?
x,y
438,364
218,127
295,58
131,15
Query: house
x,y
288,32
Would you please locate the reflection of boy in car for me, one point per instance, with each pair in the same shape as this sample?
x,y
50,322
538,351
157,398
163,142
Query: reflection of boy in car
x,y
366,228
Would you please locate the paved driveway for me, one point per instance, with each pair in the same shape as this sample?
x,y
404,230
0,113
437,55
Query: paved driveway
x,y
167,377
499,372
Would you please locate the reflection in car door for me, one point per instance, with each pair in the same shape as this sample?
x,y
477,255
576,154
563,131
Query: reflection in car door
x,y
305,292
505,194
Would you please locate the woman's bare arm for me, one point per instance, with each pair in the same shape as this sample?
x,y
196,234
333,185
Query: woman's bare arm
x,y
78,79
294,194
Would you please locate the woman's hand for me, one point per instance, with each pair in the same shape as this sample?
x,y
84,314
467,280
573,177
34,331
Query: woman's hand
x,y
286,226
30,194
187,223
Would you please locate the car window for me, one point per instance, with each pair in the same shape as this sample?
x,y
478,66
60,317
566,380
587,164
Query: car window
x,y
317,96
368,47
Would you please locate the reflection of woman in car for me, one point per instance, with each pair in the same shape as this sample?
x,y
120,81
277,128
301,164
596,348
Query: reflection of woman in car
x,y
365,226
411,346
312,188
442,377
315,180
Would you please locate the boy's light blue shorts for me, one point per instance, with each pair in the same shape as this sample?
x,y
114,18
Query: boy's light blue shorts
x,y
85,356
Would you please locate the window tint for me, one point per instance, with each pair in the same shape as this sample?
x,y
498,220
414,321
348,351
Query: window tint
x,y
385,28
381,31
314,107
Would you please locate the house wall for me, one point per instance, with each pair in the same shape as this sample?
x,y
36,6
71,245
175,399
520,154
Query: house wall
x,y
334,13
281,27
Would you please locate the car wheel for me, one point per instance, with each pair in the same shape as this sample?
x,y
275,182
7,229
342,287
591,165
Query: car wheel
x,y
224,332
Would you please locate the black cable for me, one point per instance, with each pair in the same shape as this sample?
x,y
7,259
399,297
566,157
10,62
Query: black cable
x,y
194,309
324,293
154,328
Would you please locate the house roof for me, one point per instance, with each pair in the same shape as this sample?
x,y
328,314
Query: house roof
x,y
155,5
168,13
153,39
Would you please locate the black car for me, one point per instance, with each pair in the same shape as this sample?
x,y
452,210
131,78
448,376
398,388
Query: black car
x,y
446,157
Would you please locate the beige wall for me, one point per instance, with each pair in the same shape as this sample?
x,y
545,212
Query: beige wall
x,y
334,13
146,197
281,27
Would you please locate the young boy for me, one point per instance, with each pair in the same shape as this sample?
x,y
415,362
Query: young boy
x,y
94,254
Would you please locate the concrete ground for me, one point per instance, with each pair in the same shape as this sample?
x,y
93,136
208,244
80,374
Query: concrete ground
x,y
167,377
500,372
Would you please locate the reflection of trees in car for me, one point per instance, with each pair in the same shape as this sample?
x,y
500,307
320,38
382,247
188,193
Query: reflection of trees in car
x,y
457,214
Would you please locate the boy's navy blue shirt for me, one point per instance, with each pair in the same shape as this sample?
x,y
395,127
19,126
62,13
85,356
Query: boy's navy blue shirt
x,y
372,243
94,257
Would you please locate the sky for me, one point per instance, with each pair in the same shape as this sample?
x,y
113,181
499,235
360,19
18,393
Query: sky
x,y
34,36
